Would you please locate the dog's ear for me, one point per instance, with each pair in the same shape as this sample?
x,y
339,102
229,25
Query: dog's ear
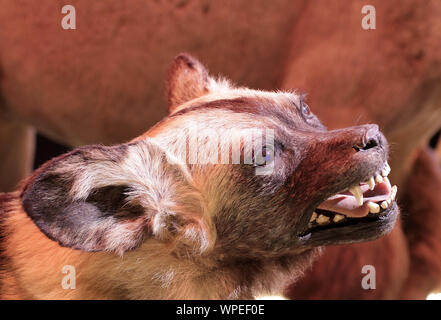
x,y
187,79
98,198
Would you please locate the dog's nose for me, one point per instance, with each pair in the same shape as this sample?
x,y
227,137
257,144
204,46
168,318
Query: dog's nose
x,y
360,138
370,139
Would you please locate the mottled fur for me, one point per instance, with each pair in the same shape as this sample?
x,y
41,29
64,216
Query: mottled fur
x,y
138,221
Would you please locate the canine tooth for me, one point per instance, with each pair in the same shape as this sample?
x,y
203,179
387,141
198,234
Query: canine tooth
x,y
371,183
386,179
373,207
313,217
338,217
394,193
356,191
322,219
389,201
386,170
384,205
378,178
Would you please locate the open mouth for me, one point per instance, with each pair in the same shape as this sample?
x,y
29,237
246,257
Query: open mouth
x,y
368,201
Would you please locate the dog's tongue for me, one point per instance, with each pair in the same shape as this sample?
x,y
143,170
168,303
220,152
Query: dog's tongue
x,y
346,204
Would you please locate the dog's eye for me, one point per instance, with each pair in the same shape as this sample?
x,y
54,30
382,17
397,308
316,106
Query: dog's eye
x,y
266,157
305,109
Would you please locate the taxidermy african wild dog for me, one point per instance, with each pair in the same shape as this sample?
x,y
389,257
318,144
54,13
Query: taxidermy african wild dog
x,y
144,220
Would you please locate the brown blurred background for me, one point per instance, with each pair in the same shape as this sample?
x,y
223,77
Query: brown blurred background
x,y
104,83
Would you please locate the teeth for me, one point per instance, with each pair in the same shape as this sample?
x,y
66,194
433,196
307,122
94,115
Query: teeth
x,y
338,217
373,207
356,191
378,178
371,183
393,193
386,170
322,219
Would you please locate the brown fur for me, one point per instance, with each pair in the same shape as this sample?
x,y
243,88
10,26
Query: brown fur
x,y
349,79
138,221
406,261
39,275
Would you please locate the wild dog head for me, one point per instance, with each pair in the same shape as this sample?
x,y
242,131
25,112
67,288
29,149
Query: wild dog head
x,y
231,172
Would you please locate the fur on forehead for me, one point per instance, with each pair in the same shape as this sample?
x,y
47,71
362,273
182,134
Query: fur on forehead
x,y
224,90
189,84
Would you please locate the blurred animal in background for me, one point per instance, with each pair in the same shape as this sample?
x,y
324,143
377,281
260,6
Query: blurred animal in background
x,y
93,85
149,223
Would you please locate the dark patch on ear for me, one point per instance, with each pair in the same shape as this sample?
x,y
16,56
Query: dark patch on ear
x,y
44,184
83,224
44,197
187,80
116,153
111,200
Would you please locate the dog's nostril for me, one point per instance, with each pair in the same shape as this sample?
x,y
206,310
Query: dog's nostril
x,y
371,143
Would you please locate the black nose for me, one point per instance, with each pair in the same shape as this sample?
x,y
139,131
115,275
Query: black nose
x,y
371,138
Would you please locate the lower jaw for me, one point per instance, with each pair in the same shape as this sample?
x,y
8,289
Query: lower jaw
x,y
353,230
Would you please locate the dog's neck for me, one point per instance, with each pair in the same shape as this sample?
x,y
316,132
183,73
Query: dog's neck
x,y
34,270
